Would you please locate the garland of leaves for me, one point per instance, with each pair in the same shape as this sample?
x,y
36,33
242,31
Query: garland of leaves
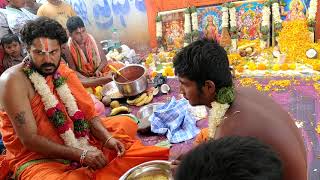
x,y
312,11
187,27
195,34
276,17
159,31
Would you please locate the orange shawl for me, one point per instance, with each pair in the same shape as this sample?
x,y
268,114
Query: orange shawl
x,y
122,127
86,65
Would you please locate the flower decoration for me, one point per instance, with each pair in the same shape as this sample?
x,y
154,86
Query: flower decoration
x,y
77,138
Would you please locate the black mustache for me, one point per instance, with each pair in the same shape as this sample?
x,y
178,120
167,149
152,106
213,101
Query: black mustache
x,y
47,65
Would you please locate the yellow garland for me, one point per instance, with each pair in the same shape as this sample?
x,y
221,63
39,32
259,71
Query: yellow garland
x,y
294,41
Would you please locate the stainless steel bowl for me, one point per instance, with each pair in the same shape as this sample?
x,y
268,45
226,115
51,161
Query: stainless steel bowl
x,y
137,80
149,169
111,90
146,111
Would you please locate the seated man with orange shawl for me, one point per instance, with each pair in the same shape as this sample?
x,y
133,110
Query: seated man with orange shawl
x,y
48,124
85,56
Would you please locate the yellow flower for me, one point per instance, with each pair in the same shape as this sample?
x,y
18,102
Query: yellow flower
x,y
318,128
292,66
259,87
252,66
276,67
98,92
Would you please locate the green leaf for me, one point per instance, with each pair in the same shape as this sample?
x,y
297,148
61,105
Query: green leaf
x,y
233,29
158,18
265,30
225,95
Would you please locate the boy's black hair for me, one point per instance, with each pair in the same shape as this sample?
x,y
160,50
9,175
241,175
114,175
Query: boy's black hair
x,y
74,23
204,60
231,158
9,38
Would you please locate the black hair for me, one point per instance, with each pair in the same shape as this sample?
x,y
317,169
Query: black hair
x,y
9,38
204,60
231,158
43,27
73,23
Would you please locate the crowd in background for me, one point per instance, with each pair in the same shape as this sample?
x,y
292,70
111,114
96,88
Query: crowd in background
x,y
14,14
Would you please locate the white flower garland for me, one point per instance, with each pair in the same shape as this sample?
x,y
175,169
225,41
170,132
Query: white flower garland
x,y
265,16
216,117
276,13
159,29
312,11
187,23
194,19
265,23
233,17
50,101
225,17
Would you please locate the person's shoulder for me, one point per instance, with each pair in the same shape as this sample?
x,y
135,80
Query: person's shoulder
x,y
13,76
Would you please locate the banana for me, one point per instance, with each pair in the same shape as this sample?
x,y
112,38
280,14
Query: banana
x,y
117,110
140,98
150,97
142,102
130,102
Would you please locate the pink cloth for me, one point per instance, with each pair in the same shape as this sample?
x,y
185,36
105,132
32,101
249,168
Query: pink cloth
x,y
3,3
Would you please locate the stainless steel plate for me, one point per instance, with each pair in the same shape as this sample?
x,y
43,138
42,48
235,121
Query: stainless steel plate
x,y
155,170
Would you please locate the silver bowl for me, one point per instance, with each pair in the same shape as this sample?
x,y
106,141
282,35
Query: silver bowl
x,y
137,80
111,90
146,111
149,169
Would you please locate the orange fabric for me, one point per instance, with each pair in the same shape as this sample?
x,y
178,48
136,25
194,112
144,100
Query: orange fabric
x,y
122,127
153,7
202,136
85,64
318,24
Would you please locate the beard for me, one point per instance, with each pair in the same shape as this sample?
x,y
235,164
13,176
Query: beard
x,y
42,69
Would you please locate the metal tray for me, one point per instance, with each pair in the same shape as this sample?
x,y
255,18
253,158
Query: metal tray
x,y
148,169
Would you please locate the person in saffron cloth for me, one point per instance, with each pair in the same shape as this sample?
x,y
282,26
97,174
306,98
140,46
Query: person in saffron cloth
x,y
85,56
203,71
48,123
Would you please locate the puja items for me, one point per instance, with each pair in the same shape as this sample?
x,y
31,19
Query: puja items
x,y
143,99
136,74
152,170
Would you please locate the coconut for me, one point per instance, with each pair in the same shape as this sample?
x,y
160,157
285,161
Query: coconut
x,y
312,53
165,88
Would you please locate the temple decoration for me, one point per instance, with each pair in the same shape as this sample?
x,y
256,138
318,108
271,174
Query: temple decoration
x,y
276,18
195,26
233,27
173,28
187,27
210,22
265,25
312,11
159,30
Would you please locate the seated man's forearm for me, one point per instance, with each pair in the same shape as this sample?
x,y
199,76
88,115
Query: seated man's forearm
x,y
51,149
94,82
98,130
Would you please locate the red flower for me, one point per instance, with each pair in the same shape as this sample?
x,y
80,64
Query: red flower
x,y
78,115
59,106
77,134
51,111
63,128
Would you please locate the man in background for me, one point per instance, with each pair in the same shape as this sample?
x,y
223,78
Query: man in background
x,y
85,56
57,10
